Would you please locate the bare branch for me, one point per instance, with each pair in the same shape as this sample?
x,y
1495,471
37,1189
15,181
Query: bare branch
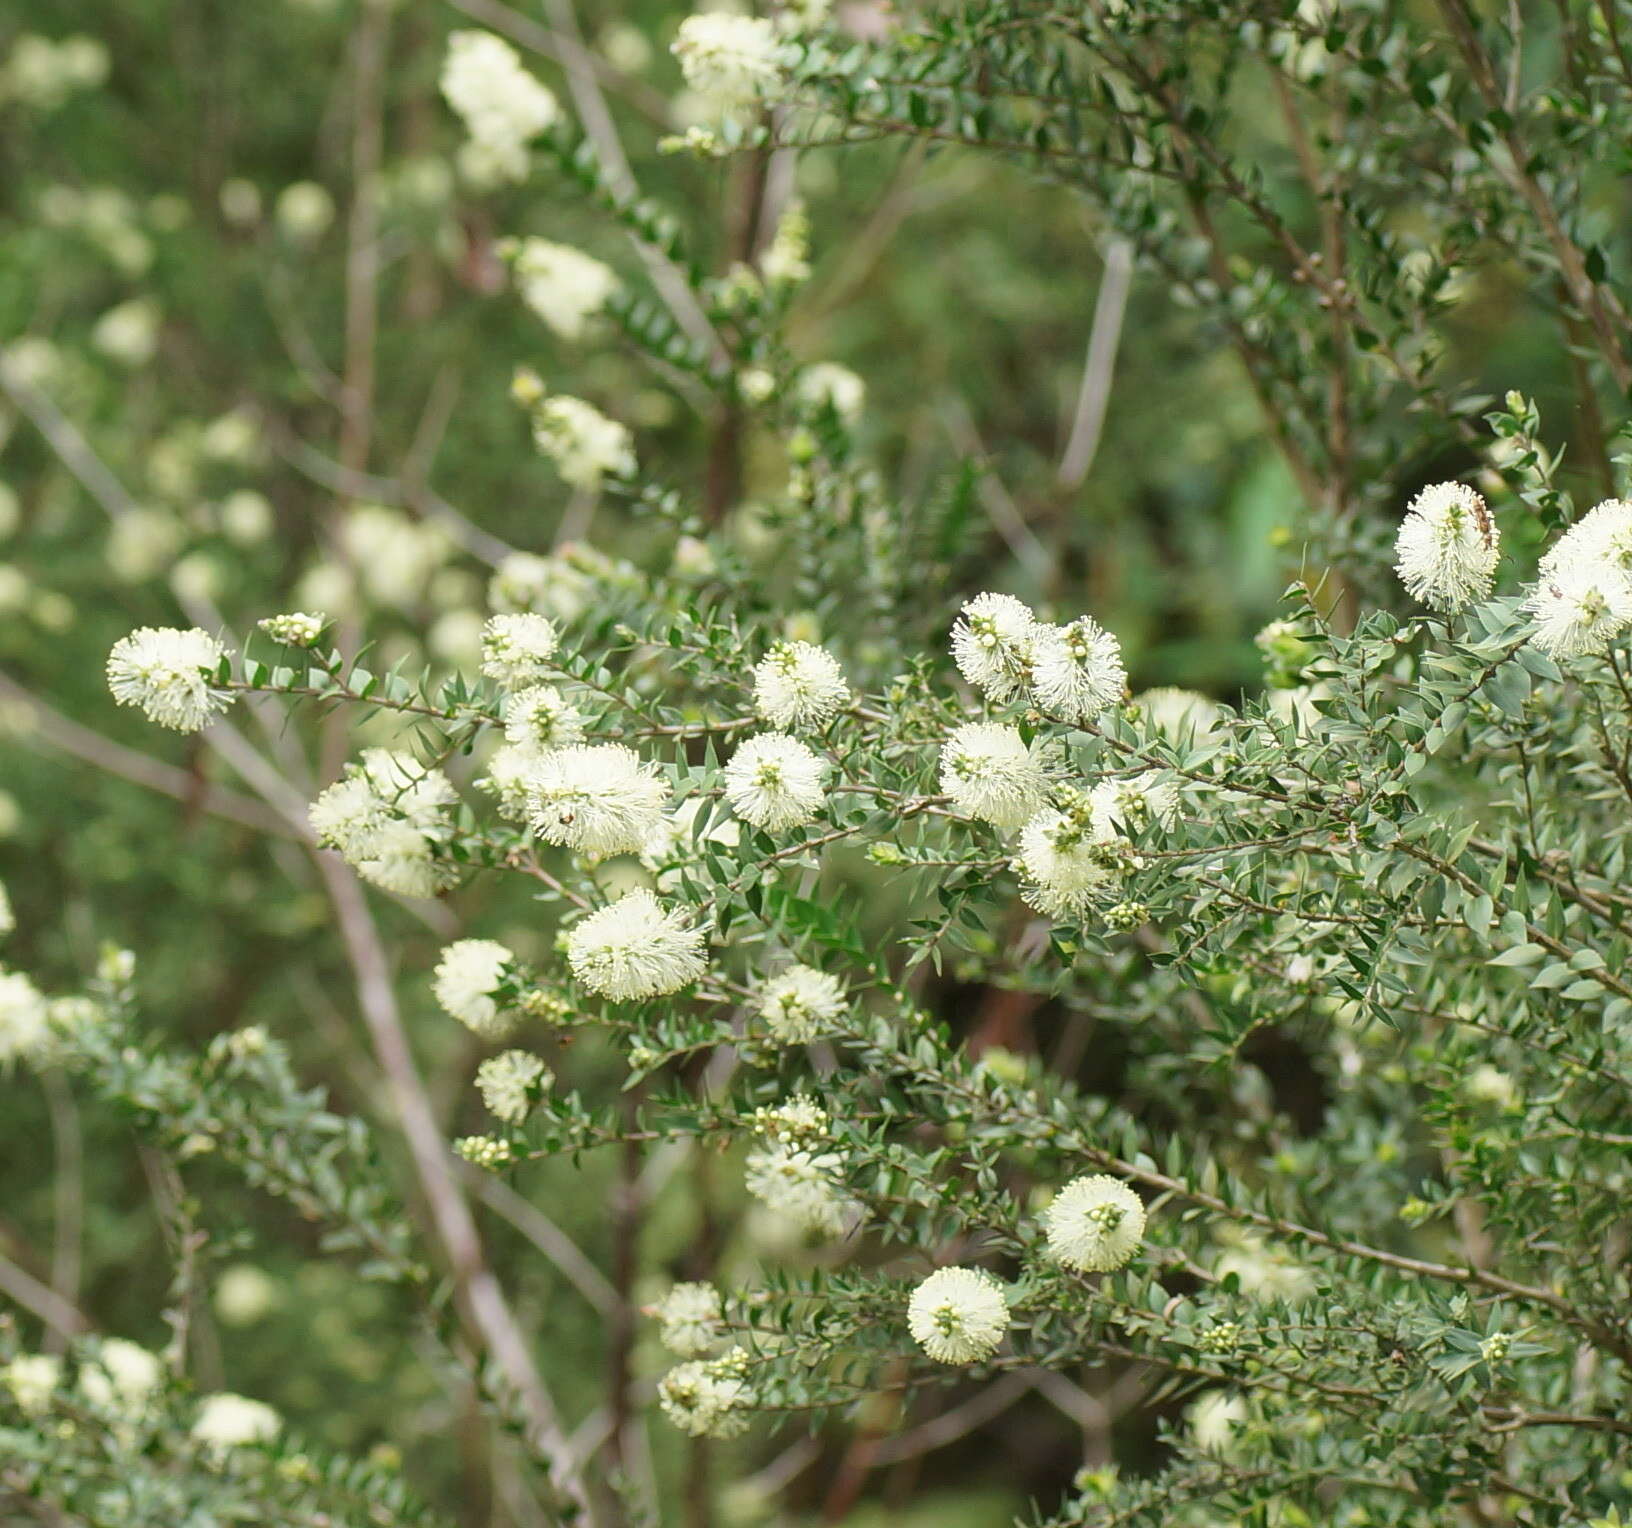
x,y
1103,340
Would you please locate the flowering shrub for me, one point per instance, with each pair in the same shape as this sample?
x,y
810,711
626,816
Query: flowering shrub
x,y
781,793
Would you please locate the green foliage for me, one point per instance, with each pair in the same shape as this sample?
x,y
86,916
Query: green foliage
x,y
1338,991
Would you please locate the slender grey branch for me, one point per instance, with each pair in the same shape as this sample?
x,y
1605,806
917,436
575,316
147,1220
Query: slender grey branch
x,y
478,1293
63,436
960,1421
40,1301
82,743
544,1234
421,498
1001,509
1089,421
68,1185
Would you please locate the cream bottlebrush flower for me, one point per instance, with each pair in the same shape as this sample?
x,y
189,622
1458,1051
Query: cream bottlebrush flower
x,y
510,1084
1132,802
803,1186
540,717
1215,1420
787,261
508,770
799,686
8,920
1487,1084
829,385
32,1379
734,59
1579,609
582,442
693,1319
1180,715
226,1421
635,948
774,781
561,586
989,773
297,629
1601,536
798,1122
485,1151
804,15
25,1028
994,642
167,672
402,860
708,1398
1262,1270
304,211
1077,672
1094,1224
502,106
393,556
598,799
1068,858
385,819
129,333
466,983
246,1294
516,649
958,1315
420,795
801,1004
1447,547
562,285
123,1377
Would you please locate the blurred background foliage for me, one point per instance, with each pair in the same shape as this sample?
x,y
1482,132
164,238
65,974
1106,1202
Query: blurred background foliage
x,y
171,298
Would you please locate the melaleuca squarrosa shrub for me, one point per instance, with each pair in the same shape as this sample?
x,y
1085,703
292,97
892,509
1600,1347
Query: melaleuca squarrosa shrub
x,y
774,790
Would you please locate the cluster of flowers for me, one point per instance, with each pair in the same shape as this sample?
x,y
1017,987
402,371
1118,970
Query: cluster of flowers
x,y
960,1315
390,818
25,1017
123,1379
1073,846
43,72
169,674
1448,548
585,445
798,1183
562,285
956,1315
603,799
32,1024
502,106
734,61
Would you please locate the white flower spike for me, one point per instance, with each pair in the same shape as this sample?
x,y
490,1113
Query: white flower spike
x,y
467,982
799,687
801,1005
989,773
994,643
635,948
167,672
598,799
1447,548
775,782
1077,673
958,1315
1094,1224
